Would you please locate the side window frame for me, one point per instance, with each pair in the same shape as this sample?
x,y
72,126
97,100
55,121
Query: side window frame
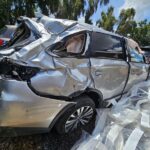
x,y
83,53
108,55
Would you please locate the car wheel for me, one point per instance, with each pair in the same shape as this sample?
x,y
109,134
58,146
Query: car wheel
x,y
77,117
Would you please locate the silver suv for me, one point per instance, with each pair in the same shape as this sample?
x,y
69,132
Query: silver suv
x,y
55,73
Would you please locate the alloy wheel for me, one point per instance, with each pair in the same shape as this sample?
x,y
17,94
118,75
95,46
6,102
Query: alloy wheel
x,y
80,117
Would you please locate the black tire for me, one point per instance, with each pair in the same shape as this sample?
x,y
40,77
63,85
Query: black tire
x,y
83,102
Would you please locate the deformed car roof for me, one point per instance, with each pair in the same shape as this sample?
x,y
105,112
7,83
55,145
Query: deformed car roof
x,y
57,26
48,31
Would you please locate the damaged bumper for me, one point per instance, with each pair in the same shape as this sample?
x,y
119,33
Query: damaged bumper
x,y
21,109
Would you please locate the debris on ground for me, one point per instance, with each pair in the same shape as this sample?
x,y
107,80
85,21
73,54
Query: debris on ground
x,y
125,126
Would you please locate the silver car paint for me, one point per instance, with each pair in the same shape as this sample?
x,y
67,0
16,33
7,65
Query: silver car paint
x,y
20,107
138,72
67,77
109,76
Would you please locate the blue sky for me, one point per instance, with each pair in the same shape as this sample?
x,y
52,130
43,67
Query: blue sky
x,y
142,8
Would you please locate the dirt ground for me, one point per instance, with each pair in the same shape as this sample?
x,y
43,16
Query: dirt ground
x,y
46,141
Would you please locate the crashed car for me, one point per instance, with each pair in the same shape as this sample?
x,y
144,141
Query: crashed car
x,y
6,33
55,73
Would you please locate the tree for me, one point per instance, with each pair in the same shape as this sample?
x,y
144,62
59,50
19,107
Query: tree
x,y
126,22
5,17
107,20
127,26
10,10
93,5
70,9
142,33
23,8
105,2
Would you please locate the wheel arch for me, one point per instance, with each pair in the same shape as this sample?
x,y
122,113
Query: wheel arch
x,y
94,94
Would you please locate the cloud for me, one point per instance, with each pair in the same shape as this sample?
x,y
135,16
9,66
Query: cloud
x,y
142,8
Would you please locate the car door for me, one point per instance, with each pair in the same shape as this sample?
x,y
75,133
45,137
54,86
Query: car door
x,y
138,67
108,67
69,70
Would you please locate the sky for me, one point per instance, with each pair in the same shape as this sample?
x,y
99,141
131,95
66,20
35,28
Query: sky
x,y
142,8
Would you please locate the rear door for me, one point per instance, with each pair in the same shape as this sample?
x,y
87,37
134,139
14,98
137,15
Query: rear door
x,y
109,70
68,71
138,67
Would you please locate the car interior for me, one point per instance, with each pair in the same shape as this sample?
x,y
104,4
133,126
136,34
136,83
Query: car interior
x,y
72,46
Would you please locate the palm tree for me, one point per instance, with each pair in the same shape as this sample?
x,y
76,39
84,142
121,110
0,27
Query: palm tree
x,y
126,21
105,2
93,5
107,20
70,9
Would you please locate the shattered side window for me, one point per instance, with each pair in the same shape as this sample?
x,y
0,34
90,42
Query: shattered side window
x,y
135,56
135,53
7,32
21,33
72,46
106,45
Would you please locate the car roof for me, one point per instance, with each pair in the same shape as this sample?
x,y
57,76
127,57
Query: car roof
x,y
97,29
55,26
65,23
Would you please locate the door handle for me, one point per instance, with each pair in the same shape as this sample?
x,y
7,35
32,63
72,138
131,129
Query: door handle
x,y
98,73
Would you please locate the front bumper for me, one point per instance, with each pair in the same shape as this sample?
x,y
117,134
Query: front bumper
x,y
21,108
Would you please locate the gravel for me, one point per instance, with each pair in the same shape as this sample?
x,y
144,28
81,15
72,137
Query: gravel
x,y
46,141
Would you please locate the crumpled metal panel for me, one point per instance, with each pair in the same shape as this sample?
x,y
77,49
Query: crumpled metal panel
x,y
34,53
56,26
64,76
59,76
67,77
19,106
